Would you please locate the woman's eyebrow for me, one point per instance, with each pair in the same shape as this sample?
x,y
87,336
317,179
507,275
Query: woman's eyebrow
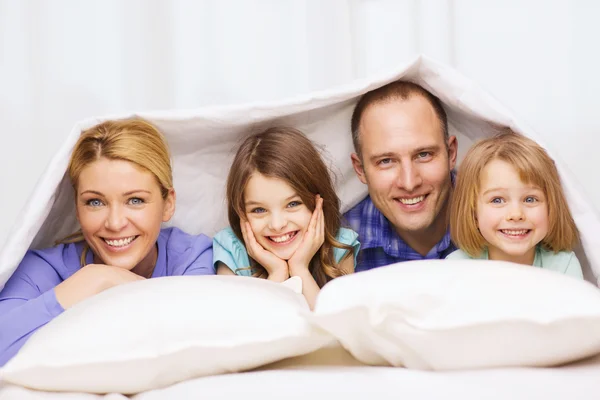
x,y
136,191
91,192
130,192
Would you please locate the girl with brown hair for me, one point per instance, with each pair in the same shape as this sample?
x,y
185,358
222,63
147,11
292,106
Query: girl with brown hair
x,y
284,215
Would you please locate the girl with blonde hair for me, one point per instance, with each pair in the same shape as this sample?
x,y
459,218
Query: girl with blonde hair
x,y
121,176
508,204
284,215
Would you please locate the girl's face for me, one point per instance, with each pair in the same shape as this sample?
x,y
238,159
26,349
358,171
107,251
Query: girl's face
x,y
512,216
120,209
277,215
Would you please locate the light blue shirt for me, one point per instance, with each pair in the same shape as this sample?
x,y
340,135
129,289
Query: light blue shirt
x,y
564,262
229,250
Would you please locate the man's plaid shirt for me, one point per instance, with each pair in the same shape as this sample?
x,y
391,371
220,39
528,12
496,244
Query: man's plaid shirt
x,y
380,244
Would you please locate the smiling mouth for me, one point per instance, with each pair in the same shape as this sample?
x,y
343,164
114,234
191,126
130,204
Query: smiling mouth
x,y
411,201
283,239
119,243
515,233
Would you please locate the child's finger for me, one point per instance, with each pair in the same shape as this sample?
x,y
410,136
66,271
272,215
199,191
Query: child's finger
x,y
249,238
251,234
321,224
315,215
247,241
244,235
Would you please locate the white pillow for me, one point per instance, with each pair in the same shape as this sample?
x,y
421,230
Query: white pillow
x,y
153,333
455,314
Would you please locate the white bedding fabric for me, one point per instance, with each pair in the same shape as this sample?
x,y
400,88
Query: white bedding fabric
x,y
156,332
333,372
444,315
203,143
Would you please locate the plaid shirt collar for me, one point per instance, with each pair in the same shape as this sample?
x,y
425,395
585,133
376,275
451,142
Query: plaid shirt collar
x,y
375,231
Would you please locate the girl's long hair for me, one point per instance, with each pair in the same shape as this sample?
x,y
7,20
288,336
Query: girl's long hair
x,y
287,154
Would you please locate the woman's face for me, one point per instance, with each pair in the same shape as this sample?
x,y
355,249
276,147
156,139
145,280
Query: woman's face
x,y
120,209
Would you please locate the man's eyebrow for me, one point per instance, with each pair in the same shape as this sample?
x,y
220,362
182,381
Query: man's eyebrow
x,y
382,155
388,154
423,149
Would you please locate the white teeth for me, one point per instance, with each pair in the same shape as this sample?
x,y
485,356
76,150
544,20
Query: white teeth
x,y
414,200
283,238
120,242
514,232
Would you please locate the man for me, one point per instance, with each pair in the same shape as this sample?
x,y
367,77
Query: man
x,y
405,155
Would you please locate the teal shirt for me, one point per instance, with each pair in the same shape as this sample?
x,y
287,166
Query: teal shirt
x,y
229,250
564,262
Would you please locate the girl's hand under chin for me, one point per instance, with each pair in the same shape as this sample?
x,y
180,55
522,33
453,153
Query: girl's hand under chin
x,y
311,241
275,266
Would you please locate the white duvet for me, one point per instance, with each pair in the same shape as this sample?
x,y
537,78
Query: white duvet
x,y
203,143
331,373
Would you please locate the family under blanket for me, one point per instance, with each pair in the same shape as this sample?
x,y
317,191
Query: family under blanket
x,y
505,202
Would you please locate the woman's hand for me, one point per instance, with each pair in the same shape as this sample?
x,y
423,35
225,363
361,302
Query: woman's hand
x,y
311,241
91,280
275,266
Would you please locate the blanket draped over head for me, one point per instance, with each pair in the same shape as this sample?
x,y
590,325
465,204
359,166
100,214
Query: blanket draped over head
x,y
203,142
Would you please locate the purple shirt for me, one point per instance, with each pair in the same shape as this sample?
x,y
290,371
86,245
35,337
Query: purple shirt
x,y
28,301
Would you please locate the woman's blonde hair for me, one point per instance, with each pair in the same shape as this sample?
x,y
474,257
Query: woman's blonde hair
x,y
287,154
135,140
534,166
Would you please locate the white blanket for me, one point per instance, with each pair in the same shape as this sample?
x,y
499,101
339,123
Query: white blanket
x,y
333,373
203,143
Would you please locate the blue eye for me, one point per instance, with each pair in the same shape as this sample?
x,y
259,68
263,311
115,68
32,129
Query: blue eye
x,y
384,161
94,203
136,201
497,200
258,210
530,199
294,204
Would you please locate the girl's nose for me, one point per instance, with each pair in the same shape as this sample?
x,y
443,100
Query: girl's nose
x,y
277,222
515,213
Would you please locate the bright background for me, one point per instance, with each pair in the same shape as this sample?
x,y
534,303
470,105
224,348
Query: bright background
x,y
65,60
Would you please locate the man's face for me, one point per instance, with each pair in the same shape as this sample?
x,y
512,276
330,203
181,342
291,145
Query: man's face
x,y
406,163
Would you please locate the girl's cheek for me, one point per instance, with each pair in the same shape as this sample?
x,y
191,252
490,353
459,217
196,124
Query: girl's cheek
x,y
255,226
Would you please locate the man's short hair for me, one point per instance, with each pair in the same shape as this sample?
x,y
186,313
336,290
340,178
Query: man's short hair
x,y
396,90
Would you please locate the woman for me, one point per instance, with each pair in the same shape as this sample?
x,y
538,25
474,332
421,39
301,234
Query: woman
x,y
121,174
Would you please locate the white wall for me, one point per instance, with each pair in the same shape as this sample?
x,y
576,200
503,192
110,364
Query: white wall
x,y
65,60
